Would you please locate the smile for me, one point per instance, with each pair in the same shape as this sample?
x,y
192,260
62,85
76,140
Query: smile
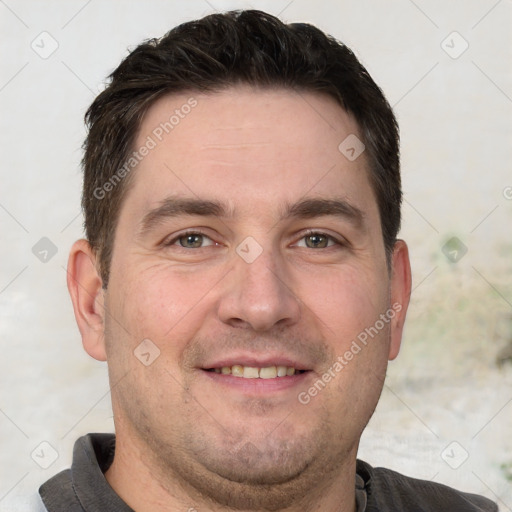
x,y
252,372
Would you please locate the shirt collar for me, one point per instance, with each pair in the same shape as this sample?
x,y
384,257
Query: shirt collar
x,y
92,456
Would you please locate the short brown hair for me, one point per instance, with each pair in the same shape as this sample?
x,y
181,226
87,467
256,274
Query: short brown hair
x,y
211,54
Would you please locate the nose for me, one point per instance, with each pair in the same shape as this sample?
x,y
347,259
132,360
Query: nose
x,y
258,295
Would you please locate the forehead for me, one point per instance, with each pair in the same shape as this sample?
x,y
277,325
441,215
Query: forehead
x,y
250,146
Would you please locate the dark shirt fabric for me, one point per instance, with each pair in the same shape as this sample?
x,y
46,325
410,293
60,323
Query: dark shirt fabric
x,y
83,488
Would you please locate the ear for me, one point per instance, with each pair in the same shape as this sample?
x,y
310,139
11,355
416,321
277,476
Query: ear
x,y
85,288
400,294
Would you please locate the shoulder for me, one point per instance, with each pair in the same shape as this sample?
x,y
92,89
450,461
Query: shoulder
x,y
389,490
84,487
58,494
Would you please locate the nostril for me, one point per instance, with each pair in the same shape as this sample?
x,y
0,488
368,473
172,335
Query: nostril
x,y
238,323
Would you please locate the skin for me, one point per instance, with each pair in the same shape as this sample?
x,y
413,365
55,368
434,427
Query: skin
x,y
187,438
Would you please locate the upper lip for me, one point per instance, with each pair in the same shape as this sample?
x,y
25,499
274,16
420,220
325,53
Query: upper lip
x,y
258,361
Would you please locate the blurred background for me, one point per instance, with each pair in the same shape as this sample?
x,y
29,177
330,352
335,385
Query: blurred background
x,y
446,408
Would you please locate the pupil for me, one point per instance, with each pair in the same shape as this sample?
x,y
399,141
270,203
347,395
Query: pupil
x,y
191,241
316,241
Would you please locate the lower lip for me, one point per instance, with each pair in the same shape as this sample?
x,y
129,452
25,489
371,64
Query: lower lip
x,y
258,385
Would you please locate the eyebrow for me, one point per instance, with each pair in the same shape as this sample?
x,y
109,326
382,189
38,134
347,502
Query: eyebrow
x,y
172,207
177,206
318,207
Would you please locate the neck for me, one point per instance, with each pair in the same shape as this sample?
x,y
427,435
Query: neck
x,y
144,487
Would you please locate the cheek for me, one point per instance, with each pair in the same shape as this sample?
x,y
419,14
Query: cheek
x,y
164,304
345,303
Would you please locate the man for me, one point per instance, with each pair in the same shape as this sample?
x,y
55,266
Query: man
x,y
241,277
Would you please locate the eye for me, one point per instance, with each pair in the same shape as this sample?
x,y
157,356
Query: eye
x,y
317,240
192,240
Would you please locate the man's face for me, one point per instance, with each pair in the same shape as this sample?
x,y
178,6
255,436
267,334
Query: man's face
x,y
247,239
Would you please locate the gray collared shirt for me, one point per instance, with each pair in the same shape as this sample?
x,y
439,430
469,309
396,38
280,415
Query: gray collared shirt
x,y
84,488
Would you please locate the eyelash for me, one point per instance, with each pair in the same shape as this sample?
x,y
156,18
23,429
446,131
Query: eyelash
x,y
190,232
175,239
312,232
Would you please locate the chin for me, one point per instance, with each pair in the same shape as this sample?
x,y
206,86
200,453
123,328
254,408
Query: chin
x,y
269,474
252,479
262,466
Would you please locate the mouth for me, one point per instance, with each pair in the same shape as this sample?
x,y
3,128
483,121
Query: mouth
x,y
254,372
255,376
258,374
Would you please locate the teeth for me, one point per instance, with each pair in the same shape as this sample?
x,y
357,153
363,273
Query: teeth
x,y
252,372
281,371
237,370
268,373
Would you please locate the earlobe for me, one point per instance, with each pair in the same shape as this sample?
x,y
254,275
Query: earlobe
x,y
400,294
85,288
